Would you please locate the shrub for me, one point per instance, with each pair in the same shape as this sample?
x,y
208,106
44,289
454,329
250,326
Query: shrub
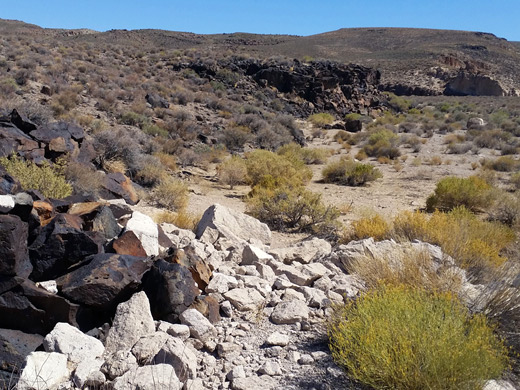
x,y
270,170
293,209
235,137
84,179
321,119
382,143
307,155
474,244
232,171
472,192
181,219
47,179
408,338
501,164
375,227
348,172
171,194
151,173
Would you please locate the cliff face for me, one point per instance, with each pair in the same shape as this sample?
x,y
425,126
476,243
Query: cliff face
x,y
309,87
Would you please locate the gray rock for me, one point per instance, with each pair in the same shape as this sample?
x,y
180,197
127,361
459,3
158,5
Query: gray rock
x,y
305,359
6,203
290,312
175,353
157,377
498,385
237,228
132,321
44,370
245,299
226,349
200,327
263,382
236,373
277,338
227,308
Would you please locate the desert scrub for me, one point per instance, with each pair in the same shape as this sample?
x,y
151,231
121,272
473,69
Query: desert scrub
x,y
376,227
307,155
321,119
407,338
172,194
232,171
473,192
182,219
270,170
292,209
474,244
350,173
382,143
49,180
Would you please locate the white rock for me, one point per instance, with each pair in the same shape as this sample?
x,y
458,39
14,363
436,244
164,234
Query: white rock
x,y
132,321
290,312
44,370
266,272
277,338
200,327
253,255
235,373
303,252
221,283
315,298
270,368
147,347
88,372
146,231
68,340
117,363
263,382
157,377
221,222
176,330
175,353
245,299
498,385
50,286
290,294
259,284
6,203
305,359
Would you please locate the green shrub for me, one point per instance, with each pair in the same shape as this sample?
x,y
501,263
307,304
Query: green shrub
x,y
350,173
375,227
502,164
171,194
382,143
472,192
49,180
407,338
270,170
292,209
321,119
307,155
232,171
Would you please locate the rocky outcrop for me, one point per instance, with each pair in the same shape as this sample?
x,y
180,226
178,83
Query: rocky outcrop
x,y
468,84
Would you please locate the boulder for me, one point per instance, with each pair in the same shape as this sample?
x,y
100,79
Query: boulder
x,y
156,101
253,255
6,203
70,341
180,357
192,259
88,374
15,346
14,255
498,385
132,321
157,377
245,299
105,223
23,206
475,123
8,184
117,185
222,223
45,211
34,310
290,312
148,346
221,283
200,327
171,290
118,363
303,252
208,306
146,231
61,244
44,370
105,280
277,338
128,244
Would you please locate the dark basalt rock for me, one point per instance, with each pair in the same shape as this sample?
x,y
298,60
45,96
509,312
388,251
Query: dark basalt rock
x,y
209,307
105,223
8,184
156,101
21,122
104,281
14,255
128,244
119,186
61,244
171,290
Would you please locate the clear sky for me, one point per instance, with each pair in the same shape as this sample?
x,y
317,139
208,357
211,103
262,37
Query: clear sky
x,y
303,17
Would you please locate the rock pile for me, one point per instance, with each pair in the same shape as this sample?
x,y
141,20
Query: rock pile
x,y
214,309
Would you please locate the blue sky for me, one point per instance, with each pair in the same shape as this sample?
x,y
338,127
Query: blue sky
x,y
303,17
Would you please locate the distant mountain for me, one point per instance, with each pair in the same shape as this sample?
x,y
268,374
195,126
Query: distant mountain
x,y
411,61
